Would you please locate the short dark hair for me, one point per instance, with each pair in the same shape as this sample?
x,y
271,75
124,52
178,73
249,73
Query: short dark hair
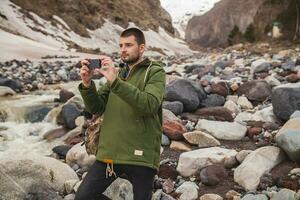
x,y
137,33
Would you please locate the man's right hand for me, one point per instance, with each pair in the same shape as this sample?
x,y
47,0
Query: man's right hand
x,y
85,73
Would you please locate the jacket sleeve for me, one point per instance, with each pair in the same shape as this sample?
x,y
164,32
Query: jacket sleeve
x,y
94,101
145,102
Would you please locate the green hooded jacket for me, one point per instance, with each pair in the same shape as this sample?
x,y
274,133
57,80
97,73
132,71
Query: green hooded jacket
x,y
132,107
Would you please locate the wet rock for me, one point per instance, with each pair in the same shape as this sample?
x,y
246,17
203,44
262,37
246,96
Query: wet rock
x,y
213,100
215,113
222,130
175,107
65,95
285,100
68,114
201,139
257,91
37,114
13,84
55,133
61,150
6,91
191,162
256,164
213,174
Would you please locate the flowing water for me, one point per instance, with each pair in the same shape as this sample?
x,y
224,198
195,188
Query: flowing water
x,y
19,133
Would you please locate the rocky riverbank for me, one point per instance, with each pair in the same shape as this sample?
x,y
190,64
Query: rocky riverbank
x,y
231,129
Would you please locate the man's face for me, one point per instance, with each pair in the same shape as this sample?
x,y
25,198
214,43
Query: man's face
x,y
130,51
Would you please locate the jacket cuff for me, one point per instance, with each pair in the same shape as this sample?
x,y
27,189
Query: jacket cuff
x,y
84,89
115,85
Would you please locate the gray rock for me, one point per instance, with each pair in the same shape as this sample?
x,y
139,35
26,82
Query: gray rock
x,y
296,114
213,174
33,177
213,100
68,114
289,141
165,141
286,100
221,64
285,194
288,65
255,197
37,114
260,65
188,190
183,91
255,90
222,130
69,197
120,189
175,107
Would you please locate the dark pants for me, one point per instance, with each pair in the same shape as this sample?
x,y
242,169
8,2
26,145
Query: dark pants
x,y
95,182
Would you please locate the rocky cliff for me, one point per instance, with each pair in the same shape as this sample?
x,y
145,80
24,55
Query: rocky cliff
x,y
233,21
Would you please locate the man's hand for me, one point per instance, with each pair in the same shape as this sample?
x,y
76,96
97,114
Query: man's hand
x,y
108,70
85,73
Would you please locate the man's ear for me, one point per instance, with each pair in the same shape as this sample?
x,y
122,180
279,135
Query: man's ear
x,y
142,48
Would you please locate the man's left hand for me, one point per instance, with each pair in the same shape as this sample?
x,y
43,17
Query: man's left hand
x,y
108,70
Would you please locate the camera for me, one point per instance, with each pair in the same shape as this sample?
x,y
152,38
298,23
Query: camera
x,y
94,63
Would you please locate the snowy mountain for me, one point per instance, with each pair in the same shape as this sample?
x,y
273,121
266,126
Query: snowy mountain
x,y
25,34
182,11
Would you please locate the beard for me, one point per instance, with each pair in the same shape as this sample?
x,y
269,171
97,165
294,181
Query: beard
x,y
130,59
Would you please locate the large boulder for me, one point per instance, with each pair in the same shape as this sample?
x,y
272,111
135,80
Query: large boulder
x,y
257,91
13,84
6,91
185,91
190,162
257,163
222,130
68,114
31,175
286,100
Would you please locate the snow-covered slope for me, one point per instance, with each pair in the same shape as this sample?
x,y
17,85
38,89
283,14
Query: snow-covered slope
x,y
182,11
57,37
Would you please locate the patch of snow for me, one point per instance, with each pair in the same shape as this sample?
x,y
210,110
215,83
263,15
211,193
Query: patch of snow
x,y
42,36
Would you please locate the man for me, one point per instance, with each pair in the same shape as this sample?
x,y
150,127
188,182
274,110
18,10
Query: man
x,y
129,144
